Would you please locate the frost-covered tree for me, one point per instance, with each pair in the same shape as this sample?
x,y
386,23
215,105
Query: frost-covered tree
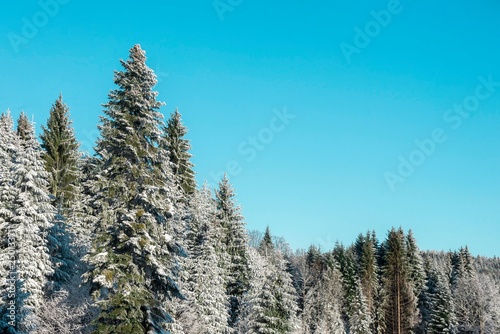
x,y
235,241
355,307
8,192
322,304
9,145
415,264
133,255
26,229
207,306
266,245
271,305
400,302
440,308
359,314
61,155
178,152
477,304
365,247
462,264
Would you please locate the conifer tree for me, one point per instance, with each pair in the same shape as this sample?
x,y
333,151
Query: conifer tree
x,y
61,155
61,158
359,315
415,264
323,295
132,257
27,226
235,241
207,302
462,265
366,251
401,311
272,305
8,192
8,147
24,127
266,246
441,313
178,152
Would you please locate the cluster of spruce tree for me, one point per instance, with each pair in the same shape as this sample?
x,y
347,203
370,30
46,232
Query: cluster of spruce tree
x,y
126,242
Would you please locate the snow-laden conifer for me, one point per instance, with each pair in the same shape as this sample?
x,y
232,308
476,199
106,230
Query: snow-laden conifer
x,y
27,228
207,307
235,241
132,257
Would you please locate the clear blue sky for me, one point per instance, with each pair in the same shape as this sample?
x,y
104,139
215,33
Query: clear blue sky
x,y
322,176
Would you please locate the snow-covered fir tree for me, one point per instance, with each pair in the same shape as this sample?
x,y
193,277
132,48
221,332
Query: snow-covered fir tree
x,y
61,156
415,264
235,241
8,192
400,302
206,310
9,145
26,230
178,152
330,320
365,248
441,313
271,306
323,302
133,265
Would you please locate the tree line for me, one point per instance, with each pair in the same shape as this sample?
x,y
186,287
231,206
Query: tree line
x,y
125,241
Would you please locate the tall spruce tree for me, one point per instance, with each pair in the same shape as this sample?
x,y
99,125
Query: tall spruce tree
x,y
266,245
441,314
132,257
235,241
27,226
178,152
61,158
207,302
272,304
61,155
366,251
9,145
401,311
321,289
415,264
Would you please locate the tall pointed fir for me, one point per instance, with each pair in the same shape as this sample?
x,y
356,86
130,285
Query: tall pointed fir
x,y
323,297
235,241
415,264
440,308
61,157
27,226
133,255
366,252
178,152
207,306
400,302
9,145
355,307
271,305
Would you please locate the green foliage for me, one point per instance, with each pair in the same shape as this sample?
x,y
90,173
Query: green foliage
x,y
61,156
132,257
178,153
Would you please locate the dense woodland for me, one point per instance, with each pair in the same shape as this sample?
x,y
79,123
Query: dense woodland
x,y
125,241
